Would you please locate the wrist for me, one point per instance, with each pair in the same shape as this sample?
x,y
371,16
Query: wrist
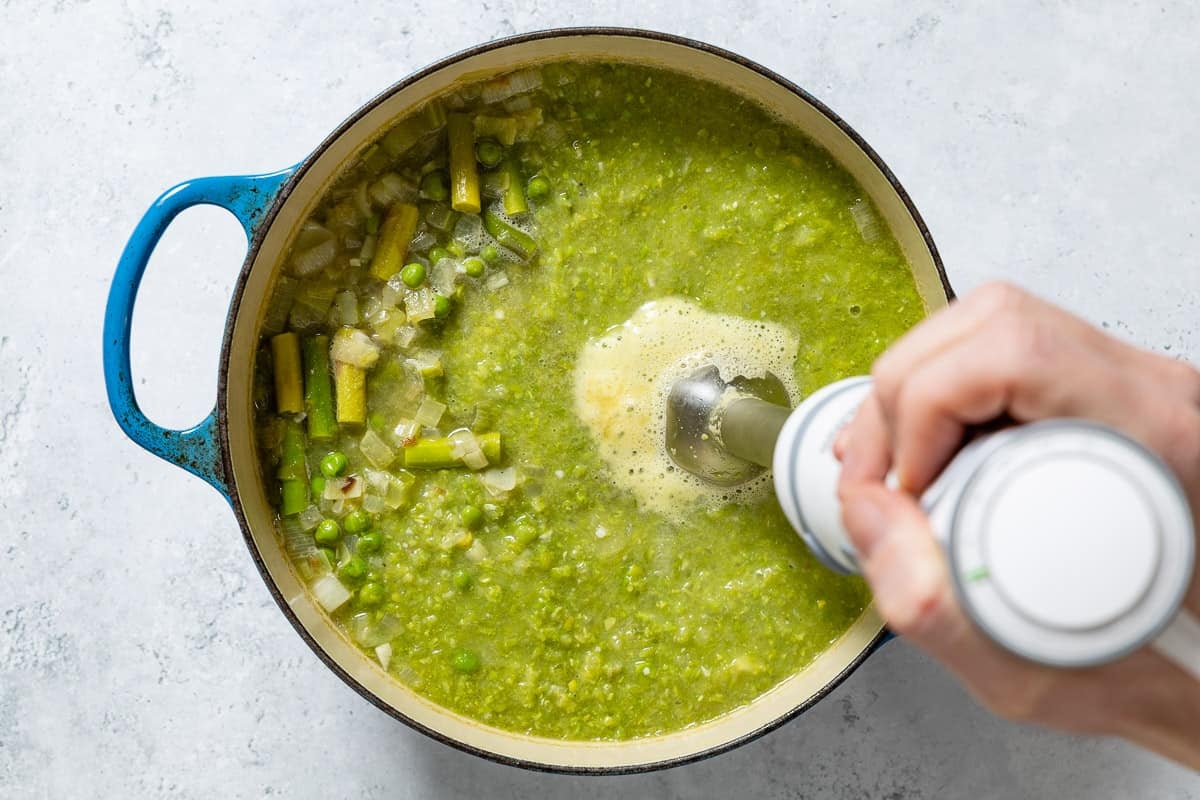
x,y
1159,709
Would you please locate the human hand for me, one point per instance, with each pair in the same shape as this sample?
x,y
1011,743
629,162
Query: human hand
x,y
1001,351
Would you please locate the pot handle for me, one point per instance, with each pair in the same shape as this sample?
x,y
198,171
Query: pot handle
x,y
197,449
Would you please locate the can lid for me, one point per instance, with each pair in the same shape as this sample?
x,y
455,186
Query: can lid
x,y
1071,544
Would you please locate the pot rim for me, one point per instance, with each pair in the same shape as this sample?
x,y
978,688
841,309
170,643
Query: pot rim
x,y
256,241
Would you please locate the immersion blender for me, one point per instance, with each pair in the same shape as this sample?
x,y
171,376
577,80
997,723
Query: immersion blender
x,y
1068,543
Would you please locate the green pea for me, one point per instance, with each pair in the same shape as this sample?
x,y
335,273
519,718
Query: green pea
x,y
328,532
333,464
538,187
437,254
490,254
318,485
329,555
461,579
474,266
371,594
488,153
413,275
357,521
376,421
472,517
369,543
465,661
433,186
353,570
441,306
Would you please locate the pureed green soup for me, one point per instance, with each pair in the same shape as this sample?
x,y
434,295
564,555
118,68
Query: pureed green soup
x,y
417,410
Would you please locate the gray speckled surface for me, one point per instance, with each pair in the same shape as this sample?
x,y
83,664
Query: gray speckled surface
x,y
141,656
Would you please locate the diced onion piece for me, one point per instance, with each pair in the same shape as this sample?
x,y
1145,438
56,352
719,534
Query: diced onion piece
x,y
462,441
376,450
419,304
422,241
427,364
497,280
309,518
373,504
506,86
518,104
390,295
314,249
377,480
384,654
346,307
352,346
476,552
391,188
330,592
869,226
397,491
390,322
405,433
499,480
346,488
280,304
297,541
404,335
360,627
429,413
475,459
442,276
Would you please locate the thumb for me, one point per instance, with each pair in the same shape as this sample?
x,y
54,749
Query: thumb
x,y
905,566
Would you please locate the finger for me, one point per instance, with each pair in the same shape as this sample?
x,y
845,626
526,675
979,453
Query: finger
x,y
905,567
1021,367
866,444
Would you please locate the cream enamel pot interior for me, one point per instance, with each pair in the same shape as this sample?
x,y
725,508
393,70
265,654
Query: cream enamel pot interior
x,y
221,448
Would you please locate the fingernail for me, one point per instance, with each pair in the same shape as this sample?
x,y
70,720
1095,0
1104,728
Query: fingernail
x,y
867,522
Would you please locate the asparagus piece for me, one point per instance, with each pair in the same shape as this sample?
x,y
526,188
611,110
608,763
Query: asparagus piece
x,y
351,383
318,391
437,453
506,235
392,245
289,394
464,177
514,195
293,470
292,463
293,497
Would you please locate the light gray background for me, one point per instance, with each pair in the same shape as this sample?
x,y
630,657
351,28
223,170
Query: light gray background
x,y
141,656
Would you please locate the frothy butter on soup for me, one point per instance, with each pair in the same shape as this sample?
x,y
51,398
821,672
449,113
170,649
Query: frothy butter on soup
x,y
621,385
457,325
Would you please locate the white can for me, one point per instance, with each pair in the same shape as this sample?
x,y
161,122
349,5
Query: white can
x,y
1068,543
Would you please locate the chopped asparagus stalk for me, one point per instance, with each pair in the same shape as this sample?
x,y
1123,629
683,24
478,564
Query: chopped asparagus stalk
x,y
293,497
292,464
289,391
351,383
318,391
506,235
514,195
464,177
293,470
439,453
394,235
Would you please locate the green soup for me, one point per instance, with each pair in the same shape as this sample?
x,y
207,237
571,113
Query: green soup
x,y
416,407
